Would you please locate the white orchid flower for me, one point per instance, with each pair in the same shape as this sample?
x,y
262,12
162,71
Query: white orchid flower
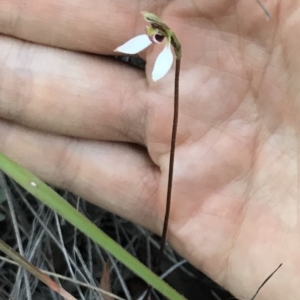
x,y
154,35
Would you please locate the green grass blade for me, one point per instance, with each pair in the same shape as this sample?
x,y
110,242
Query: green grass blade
x,y
49,197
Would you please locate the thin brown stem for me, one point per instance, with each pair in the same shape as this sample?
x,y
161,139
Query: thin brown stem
x,y
170,175
171,163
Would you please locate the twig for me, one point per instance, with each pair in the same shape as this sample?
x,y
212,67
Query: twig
x,y
266,11
265,281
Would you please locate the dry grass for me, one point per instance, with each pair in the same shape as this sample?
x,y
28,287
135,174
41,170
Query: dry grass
x,y
53,245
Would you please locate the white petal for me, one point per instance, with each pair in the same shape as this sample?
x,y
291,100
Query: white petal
x,y
135,45
163,63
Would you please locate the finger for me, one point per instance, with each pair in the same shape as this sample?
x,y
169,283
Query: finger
x,y
91,25
70,93
97,171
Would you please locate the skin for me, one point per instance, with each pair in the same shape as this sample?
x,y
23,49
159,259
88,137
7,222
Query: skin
x,y
101,129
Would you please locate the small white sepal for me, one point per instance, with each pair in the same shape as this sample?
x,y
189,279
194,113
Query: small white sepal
x,y
163,63
135,45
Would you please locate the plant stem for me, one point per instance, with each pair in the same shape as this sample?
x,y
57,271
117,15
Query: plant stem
x,y
171,162
170,175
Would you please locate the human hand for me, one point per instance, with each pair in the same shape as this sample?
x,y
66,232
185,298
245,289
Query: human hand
x,y
234,211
